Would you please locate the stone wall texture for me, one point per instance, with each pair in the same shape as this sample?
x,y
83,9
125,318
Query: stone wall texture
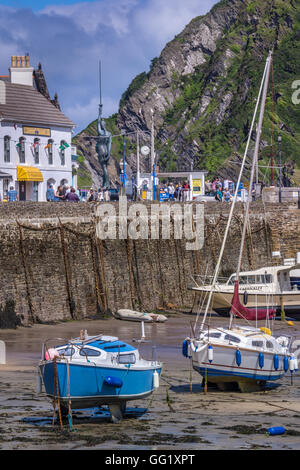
x,y
54,268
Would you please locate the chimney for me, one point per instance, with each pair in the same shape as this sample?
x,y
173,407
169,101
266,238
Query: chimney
x,y
20,70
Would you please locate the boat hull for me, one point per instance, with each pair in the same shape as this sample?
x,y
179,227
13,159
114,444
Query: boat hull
x,y
84,385
224,367
221,302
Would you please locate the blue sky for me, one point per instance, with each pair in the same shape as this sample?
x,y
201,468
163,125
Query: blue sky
x,y
70,37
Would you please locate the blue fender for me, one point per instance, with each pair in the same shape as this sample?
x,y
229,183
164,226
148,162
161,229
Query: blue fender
x,y
238,357
276,362
261,360
113,381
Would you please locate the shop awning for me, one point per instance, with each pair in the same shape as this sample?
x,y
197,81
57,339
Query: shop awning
x,y
29,173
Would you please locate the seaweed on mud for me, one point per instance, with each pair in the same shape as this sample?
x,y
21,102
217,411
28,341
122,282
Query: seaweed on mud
x,y
292,432
190,429
244,429
190,438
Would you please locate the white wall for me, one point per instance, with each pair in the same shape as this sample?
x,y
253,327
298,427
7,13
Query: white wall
x,y
56,171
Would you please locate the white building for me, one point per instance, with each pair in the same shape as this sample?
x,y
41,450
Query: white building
x,y
35,136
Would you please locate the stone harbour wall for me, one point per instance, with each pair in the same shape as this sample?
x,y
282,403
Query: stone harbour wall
x,y
53,268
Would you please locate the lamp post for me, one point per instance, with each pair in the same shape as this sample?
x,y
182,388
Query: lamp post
x,y
152,155
279,158
124,171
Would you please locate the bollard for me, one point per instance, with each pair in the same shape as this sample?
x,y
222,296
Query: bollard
x,y
2,352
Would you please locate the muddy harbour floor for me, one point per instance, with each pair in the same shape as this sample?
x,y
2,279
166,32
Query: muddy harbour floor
x,y
173,418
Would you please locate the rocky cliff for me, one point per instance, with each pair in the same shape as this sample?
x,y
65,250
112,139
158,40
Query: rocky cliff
x,y
203,86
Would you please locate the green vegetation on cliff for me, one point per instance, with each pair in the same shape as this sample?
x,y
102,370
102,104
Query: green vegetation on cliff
x,y
244,47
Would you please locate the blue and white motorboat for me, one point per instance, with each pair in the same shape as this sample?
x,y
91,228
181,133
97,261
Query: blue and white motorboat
x,y
92,371
244,355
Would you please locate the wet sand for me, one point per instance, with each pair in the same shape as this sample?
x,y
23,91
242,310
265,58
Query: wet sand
x,y
175,417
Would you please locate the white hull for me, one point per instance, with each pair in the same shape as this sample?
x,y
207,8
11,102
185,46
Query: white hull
x,y
239,355
131,315
222,298
224,368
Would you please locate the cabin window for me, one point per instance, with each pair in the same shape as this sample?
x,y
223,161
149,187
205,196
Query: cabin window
x,y
257,344
89,352
267,278
269,344
66,351
252,279
127,359
7,148
213,335
234,339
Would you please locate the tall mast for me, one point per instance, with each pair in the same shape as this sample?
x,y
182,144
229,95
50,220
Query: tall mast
x,y
254,161
234,201
100,90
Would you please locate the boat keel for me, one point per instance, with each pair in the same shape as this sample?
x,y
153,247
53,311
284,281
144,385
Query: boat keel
x,y
117,411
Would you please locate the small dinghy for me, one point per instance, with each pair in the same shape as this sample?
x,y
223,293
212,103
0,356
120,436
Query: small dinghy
x,y
91,371
132,315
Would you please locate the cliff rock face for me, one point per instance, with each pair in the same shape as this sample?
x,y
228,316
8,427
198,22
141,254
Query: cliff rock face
x,y
203,87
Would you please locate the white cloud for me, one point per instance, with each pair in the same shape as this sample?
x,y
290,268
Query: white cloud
x,y
69,41
90,16
161,21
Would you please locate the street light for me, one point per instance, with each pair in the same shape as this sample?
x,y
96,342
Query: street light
x,y
123,132
279,157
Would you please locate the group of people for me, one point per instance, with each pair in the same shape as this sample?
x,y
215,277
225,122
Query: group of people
x,y
220,189
178,192
100,195
70,194
62,193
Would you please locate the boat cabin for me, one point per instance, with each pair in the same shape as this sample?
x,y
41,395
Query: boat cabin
x,y
271,279
240,337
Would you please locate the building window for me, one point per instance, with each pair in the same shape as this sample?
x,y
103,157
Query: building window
x,y
6,183
7,148
50,151
62,149
36,151
21,149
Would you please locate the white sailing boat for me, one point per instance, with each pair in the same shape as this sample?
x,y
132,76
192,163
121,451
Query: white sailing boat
x,y
269,285
248,356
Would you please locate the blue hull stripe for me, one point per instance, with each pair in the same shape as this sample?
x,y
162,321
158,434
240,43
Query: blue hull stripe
x,y
210,372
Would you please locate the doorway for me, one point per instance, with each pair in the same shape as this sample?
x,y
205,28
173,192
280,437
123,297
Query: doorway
x,y
22,191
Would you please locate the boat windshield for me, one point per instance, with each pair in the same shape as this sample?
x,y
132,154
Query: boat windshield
x,y
252,279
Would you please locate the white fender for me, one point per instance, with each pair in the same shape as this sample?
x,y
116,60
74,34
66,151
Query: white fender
x,y
210,353
155,379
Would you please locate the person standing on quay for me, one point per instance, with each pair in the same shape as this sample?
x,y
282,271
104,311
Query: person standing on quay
x,y
12,194
50,193
72,196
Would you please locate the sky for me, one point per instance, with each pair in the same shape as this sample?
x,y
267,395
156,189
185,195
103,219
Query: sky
x,y
70,37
